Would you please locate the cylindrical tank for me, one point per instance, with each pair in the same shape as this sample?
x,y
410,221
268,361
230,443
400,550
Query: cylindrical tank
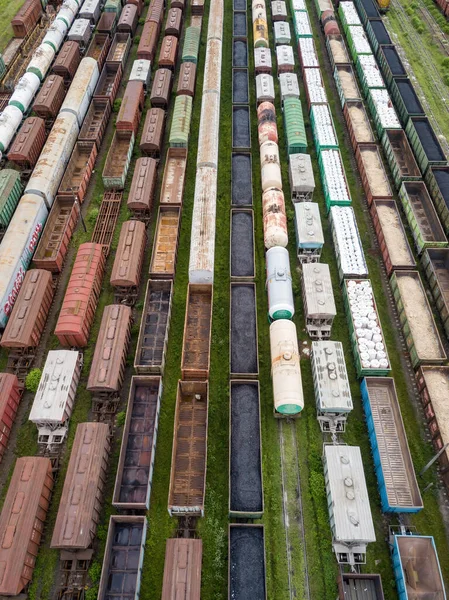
x,y
55,35
260,31
259,11
274,219
68,12
81,91
25,91
285,368
41,61
10,120
329,23
270,165
267,128
279,284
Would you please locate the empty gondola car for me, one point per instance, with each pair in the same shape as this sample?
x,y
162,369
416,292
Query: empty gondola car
x,y
195,360
132,489
356,586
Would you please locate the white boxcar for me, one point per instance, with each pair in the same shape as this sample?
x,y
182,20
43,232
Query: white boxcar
x,y
282,33
262,60
141,71
318,299
330,381
348,503
279,10
17,249
264,88
80,32
91,10
302,180
347,243
55,155
81,89
289,86
309,232
285,59
55,396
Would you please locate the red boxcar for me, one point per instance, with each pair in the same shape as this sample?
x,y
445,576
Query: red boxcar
x,y
131,108
10,394
28,143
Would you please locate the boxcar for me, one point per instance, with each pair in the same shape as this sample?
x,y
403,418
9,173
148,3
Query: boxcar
x,y
262,61
186,80
141,71
26,18
80,32
54,243
165,246
436,265
90,9
119,50
108,83
154,328
95,121
191,45
400,157
67,61
372,171
98,48
182,569
10,394
390,232
141,195
28,143
318,300
80,505
155,12
131,108
437,181
169,52
50,97
246,562
132,489
123,557
107,372
180,125
153,132
22,521
128,20
29,314
78,172
245,451
173,24
161,88
127,267
189,454
80,300
148,41
195,361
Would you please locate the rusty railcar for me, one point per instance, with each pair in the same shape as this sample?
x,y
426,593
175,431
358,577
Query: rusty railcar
x,y
98,48
80,505
95,121
28,143
155,12
161,88
173,24
132,489
165,246
187,78
50,98
153,132
22,521
182,569
107,372
108,83
107,219
10,395
67,61
172,189
81,297
128,20
148,41
355,586
141,194
131,108
24,328
107,23
76,178
195,361
127,267
154,328
168,53
119,49
189,454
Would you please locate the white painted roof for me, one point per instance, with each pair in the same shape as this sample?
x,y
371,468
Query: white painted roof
x,y
308,225
318,290
300,169
332,390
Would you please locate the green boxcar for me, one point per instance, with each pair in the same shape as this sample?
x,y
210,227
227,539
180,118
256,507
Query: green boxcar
x,y
301,17
180,125
437,181
113,6
329,197
400,157
375,83
422,216
361,371
295,131
424,143
191,45
321,114
436,265
360,47
410,319
405,100
10,191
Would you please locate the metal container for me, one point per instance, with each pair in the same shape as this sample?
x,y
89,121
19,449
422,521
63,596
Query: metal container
x,y
80,32
148,41
81,89
336,49
91,10
333,178
169,52
400,157
131,108
153,132
26,503
128,20
289,85
270,165
180,125
309,232
347,243
141,71
285,368
10,120
285,59
318,300
262,60
282,33
132,489
314,86
119,50
10,395
301,23
346,84
95,122
41,61
374,177
437,181
99,48
165,245
182,564
390,64
50,98
50,167
301,178
25,91
56,33
377,34
421,216
246,555
191,45
140,199
279,284
436,266
323,129
405,99
81,297
274,219
173,180
67,61
108,83
393,243
294,126
53,246
195,360
161,89
424,143
118,160
10,193
190,434
154,328
75,181
186,79
307,53
127,267
26,18
267,128
173,24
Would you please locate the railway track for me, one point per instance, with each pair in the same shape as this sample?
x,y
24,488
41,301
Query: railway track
x,y
439,36
298,573
438,87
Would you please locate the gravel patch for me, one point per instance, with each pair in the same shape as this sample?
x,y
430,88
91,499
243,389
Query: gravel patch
x,y
240,24
242,190
241,137
240,5
242,249
246,467
240,53
246,563
240,94
243,329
